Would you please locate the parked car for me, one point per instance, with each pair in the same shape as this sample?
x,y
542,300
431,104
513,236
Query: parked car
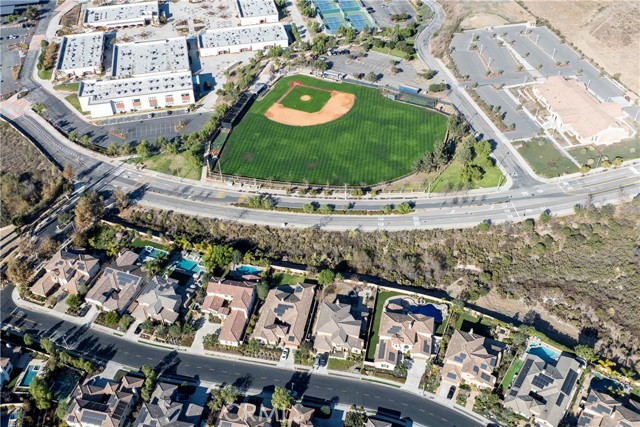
x,y
316,362
324,359
452,391
285,354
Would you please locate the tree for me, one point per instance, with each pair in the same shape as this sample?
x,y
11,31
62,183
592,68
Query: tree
x,y
217,257
355,419
326,277
47,246
438,87
124,323
73,301
27,339
586,353
371,76
227,394
18,271
150,378
428,74
67,173
147,326
90,208
113,148
262,289
30,12
40,393
85,139
281,399
121,199
143,149
404,208
545,217
111,318
73,136
47,345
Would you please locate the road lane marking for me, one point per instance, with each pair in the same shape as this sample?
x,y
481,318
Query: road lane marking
x,y
220,195
242,197
634,170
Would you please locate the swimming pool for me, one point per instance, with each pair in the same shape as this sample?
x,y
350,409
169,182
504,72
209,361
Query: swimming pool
x,y
544,353
189,266
428,310
32,371
248,269
151,252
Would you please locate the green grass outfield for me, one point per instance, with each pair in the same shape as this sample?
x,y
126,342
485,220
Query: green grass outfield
x,y
377,140
317,101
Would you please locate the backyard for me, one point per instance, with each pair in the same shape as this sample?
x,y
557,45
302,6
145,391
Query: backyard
x,y
375,337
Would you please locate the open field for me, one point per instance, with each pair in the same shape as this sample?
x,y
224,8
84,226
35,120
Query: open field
x,y
376,140
627,150
606,31
450,178
174,164
545,158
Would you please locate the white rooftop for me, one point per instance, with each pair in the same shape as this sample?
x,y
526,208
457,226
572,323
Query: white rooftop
x,y
120,12
150,57
242,35
102,91
81,51
254,8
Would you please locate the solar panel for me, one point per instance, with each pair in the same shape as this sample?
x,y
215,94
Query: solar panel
x,y
523,373
381,349
560,399
569,382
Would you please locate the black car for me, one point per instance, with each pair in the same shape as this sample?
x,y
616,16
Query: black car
x,y
452,391
324,359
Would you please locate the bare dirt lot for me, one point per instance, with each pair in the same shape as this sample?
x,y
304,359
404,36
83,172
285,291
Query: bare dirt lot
x,y
606,31
337,106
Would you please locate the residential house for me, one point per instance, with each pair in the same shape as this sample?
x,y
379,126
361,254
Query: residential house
x,y
284,316
232,303
167,408
471,358
543,389
159,301
603,410
404,333
68,270
9,357
244,415
118,285
300,416
103,403
338,329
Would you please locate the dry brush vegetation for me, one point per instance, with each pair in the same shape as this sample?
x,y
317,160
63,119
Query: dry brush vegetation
x,y
584,269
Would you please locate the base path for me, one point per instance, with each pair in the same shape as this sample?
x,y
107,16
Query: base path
x,y
337,106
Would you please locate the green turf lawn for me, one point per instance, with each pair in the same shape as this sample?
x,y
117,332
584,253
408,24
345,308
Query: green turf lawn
x,y
449,180
75,102
629,149
513,370
377,140
317,101
280,279
545,158
174,164
67,87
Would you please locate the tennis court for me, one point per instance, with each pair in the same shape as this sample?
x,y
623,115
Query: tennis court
x,y
332,23
349,5
326,6
357,21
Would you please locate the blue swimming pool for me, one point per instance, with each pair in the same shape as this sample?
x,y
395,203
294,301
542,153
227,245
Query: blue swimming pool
x,y
248,269
189,266
151,252
428,310
32,371
544,353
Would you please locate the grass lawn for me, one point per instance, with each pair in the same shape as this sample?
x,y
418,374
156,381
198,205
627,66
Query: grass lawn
x,y
317,101
513,370
174,164
141,243
377,140
340,364
393,52
68,87
442,325
375,337
280,279
75,102
466,322
45,74
450,179
627,150
545,158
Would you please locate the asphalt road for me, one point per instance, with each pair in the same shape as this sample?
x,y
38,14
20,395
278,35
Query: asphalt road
x,y
343,390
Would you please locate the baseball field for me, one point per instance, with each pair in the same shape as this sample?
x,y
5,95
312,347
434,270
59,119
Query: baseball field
x,y
320,132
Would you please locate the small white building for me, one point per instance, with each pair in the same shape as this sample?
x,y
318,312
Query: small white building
x,y
104,98
240,39
80,54
122,15
255,12
150,57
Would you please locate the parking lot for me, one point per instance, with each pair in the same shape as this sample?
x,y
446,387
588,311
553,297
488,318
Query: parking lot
x,y
381,11
10,36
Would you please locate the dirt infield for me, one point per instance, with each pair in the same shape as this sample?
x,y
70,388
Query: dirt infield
x,y
337,106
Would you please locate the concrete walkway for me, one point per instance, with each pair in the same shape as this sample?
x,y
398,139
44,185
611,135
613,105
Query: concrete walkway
x,y
414,376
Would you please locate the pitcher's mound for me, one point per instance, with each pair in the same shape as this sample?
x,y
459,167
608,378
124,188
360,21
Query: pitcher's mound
x,y
337,106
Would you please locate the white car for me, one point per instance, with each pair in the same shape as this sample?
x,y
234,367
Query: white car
x,y
285,354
